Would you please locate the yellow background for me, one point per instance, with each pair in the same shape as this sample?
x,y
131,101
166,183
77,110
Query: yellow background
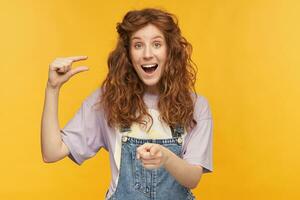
x,y
247,53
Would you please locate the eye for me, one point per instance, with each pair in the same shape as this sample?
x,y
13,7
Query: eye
x,y
157,44
137,45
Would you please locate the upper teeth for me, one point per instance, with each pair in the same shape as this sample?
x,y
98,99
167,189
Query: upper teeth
x,y
148,66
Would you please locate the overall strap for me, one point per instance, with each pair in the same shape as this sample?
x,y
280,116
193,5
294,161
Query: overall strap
x,y
177,130
125,129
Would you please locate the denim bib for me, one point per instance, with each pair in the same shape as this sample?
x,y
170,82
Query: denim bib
x,y
138,183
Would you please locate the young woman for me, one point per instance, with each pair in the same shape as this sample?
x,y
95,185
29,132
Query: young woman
x,y
157,130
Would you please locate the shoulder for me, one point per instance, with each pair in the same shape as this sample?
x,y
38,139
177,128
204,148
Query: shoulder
x,y
201,107
94,97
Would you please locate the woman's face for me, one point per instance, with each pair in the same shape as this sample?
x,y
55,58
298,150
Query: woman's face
x,y
148,53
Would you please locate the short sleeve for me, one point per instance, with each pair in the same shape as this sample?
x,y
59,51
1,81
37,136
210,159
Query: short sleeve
x,y
82,134
198,143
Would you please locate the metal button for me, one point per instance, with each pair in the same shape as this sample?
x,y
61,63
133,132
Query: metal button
x,y
124,139
179,140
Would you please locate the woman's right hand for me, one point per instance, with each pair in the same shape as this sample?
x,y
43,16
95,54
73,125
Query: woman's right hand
x,y
60,70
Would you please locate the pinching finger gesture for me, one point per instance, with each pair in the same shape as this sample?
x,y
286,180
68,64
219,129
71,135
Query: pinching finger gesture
x,y
60,70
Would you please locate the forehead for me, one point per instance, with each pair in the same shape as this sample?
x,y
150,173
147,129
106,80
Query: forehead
x,y
148,32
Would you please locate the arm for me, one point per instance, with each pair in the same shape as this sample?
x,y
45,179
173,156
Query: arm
x,y
178,168
53,149
198,149
52,146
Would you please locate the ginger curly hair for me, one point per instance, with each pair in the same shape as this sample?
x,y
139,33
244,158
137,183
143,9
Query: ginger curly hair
x,y
122,90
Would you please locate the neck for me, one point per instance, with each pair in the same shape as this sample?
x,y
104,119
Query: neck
x,y
152,90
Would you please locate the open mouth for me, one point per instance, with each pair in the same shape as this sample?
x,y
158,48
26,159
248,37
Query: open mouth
x,y
150,68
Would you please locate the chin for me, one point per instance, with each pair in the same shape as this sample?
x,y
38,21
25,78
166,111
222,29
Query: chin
x,y
151,83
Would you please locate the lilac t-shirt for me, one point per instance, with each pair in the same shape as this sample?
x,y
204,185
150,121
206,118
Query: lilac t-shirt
x,y
87,132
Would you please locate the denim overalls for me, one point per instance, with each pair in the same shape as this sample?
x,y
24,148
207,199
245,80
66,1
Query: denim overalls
x,y
138,183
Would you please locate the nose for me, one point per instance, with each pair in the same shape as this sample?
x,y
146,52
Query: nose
x,y
147,54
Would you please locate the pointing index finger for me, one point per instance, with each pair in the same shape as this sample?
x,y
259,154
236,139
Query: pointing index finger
x,y
77,58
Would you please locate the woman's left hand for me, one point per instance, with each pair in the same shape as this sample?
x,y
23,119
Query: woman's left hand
x,y
152,156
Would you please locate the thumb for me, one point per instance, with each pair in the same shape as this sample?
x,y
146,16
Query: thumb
x,y
78,70
154,150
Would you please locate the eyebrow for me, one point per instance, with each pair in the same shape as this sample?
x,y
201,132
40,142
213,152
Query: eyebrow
x,y
158,36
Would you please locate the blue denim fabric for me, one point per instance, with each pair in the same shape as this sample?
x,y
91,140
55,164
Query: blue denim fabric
x,y
138,183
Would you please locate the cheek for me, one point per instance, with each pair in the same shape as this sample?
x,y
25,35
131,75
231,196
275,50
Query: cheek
x,y
134,58
164,54
164,57
135,63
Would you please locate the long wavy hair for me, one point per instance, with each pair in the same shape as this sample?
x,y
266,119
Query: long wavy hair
x,y
122,90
